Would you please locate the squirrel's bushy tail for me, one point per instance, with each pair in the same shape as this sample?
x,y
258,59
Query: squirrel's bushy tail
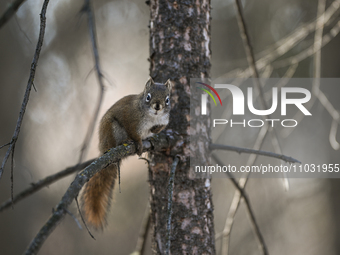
x,y
97,195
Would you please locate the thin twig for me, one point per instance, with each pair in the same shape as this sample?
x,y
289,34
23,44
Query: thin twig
x,y
147,161
12,175
10,11
170,192
237,195
284,45
336,119
251,61
318,43
284,80
29,86
26,36
308,51
92,31
250,211
281,47
329,107
316,91
249,49
93,35
44,183
250,52
5,145
299,116
251,151
267,72
158,143
82,218
144,229
252,64
118,166
143,232
75,219
332,135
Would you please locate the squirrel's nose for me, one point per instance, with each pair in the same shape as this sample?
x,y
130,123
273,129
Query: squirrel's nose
x,y
157,107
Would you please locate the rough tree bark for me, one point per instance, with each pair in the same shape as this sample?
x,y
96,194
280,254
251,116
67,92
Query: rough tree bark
x,y
180,50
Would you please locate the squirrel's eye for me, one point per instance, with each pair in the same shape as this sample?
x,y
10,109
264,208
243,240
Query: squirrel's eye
x,y
148,97
167,100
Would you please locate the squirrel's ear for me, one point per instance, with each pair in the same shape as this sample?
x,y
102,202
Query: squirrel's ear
x,y
149,82
168,84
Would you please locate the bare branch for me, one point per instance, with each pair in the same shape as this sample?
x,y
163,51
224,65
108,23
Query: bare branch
x,y
156,143
251,61
246,39
250,211
82,218
282,46
143,232
29,86
75,219
318,42
317,92
118,166
285,44
332,135
4,145
147,161
284,80
336,119
11,10
329,107
170,192
249,50
316,61
28,39
267,72
251,151
237,196
93,35
144,229
12,174
43,183
236,200
310,50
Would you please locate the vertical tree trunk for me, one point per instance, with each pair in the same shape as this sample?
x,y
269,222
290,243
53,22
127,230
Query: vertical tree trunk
x,y
180,50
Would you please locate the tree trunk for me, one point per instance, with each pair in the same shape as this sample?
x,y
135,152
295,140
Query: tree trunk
x,y
180,50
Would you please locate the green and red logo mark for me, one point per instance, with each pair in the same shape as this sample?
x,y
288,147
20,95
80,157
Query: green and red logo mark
x,y
204,97
209,93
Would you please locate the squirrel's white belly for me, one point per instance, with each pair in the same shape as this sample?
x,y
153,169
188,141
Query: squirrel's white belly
x,y
151,121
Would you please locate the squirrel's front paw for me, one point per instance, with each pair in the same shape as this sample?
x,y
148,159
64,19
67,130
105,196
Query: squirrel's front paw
x,y
139,147
157,128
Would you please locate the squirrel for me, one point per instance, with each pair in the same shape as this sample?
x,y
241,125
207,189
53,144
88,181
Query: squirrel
x,y
134,117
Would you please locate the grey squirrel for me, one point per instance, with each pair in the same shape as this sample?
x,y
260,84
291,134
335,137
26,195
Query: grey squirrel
x,y
134,117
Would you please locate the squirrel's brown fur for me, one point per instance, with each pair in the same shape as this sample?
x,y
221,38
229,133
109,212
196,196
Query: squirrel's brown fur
x,y
134,117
